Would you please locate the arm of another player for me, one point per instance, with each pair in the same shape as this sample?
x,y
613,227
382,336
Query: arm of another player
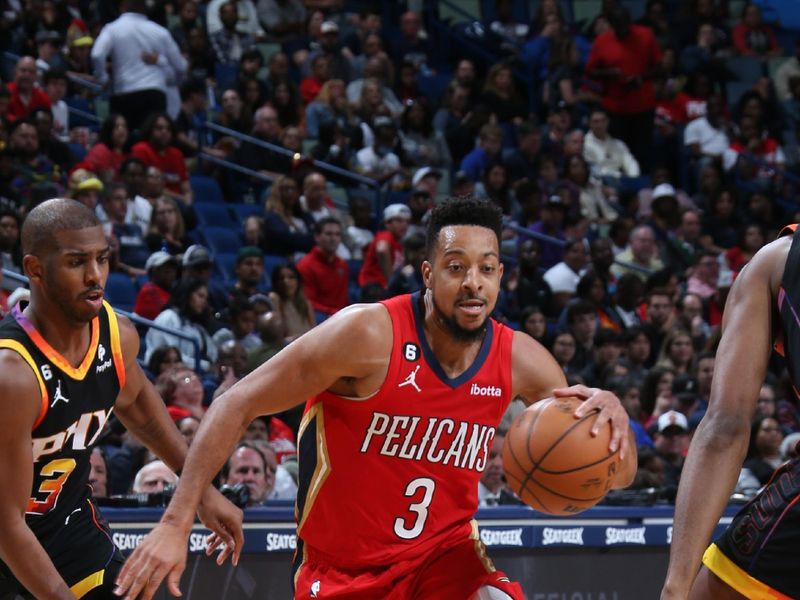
x,y
537,375
19,548
142,411
353,344
720,442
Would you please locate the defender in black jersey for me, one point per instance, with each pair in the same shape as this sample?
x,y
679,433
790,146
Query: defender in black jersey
x,y
67,362
757,556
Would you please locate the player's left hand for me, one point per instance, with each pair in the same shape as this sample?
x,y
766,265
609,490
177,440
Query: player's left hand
x,y
611,410
224,519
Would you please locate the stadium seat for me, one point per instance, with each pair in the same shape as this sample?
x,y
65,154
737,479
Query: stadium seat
x,y
746,69
214,215
205,189
270,262
120,291
224,265
339,197
243,210
586,10
221,240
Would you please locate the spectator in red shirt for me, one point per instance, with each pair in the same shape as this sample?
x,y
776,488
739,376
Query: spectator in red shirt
x,y
325,275
385,253
162,269
626,58
156,150
751,37
25,95
320,73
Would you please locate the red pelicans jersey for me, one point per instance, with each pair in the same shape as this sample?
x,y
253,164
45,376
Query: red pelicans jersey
x,y
395,475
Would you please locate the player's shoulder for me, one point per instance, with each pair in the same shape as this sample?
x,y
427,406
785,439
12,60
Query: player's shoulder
x,y
21,379
364,319
769,263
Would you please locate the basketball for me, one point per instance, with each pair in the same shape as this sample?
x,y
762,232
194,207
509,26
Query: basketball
x,y
553,463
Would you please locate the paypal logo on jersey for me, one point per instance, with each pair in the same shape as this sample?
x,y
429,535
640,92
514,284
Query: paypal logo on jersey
x,y
488,390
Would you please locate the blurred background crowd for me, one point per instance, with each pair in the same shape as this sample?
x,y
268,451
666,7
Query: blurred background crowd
x,y
258,165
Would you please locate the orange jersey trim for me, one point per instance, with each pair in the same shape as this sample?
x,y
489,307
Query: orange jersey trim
x,y
736,577
23,352
56,358
116,344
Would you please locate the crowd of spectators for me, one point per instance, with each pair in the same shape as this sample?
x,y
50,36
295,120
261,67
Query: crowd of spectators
x,y
639,164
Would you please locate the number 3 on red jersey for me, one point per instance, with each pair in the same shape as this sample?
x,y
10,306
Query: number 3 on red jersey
x,y
420,508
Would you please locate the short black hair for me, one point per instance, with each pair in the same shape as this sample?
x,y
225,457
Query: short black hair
x,y
578,308
463,210
320,225
53,75
192,86
48,218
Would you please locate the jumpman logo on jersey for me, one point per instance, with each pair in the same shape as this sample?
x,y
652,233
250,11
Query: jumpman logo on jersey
x,y
411,380
59,395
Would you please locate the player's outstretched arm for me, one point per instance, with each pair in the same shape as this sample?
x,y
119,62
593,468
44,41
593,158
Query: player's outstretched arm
x,y
20,406
720,442
352,345
536,375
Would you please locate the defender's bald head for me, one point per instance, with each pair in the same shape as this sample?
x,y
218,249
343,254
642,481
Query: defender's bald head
x,y
51,217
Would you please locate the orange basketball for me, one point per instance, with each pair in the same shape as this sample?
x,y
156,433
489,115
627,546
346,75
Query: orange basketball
x,y
553,463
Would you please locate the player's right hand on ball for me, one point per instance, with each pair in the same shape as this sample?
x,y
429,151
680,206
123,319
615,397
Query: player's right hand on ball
x,y
162,553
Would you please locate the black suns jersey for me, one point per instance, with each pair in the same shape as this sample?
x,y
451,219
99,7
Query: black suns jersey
x,y
75,406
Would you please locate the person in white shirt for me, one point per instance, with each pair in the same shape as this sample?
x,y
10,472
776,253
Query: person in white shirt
x,y
563,278
144,56
705,137
789,69
608,156
247,21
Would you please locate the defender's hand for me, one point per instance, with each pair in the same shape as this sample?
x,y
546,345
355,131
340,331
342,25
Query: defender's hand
x,y
162,553
224,519
611,410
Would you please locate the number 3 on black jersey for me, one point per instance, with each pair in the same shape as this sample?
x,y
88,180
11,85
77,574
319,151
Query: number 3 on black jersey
x,y
420,508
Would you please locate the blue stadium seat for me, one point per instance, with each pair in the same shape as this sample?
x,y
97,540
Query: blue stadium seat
x,y
120,291
746,69
205,189
77,150
221,240
224,264
270,262
214,215
243,210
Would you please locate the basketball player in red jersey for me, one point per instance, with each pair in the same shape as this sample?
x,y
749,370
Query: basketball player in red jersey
x,y
405,399
757,556
67,362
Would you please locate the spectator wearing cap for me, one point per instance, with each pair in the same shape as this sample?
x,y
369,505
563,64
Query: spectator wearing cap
x,y
550,223
385,252
325,275
157,150
287,227
144,58
490,141
378,160
126,239
340,60
48,50
229,42
427,179
249,271
608,156
197,264
671,438
79,48
154,295
524,159
641,253
25,94
189,313
85,187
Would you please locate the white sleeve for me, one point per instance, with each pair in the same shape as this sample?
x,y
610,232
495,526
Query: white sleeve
x,y
213,24
629,164
176,62
729,158
100,50
691,135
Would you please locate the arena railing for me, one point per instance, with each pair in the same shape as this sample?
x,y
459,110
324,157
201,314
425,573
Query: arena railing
x,y
324,167
134,318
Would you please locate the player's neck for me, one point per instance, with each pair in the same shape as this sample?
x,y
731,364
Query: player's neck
x,y
69,338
